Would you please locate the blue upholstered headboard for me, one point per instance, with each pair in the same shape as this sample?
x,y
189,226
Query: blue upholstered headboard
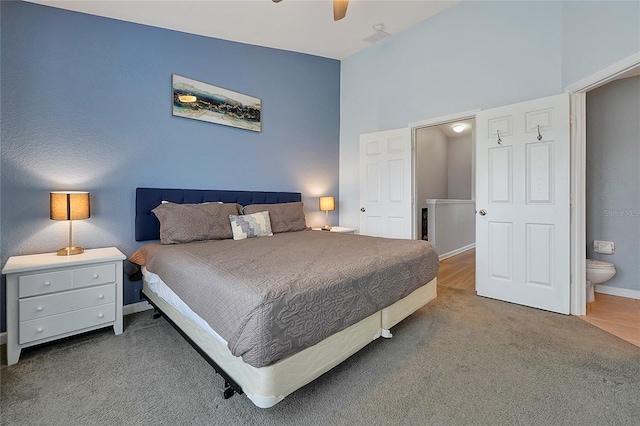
x,y
147,199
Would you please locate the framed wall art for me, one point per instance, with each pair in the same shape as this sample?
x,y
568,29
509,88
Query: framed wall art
x,y
205,102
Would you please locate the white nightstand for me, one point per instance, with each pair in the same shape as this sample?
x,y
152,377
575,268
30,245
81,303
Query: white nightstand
x,y
340,229
51,296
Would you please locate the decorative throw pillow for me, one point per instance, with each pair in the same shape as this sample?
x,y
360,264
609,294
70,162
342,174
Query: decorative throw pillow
x,y
183,223
285,217
250,225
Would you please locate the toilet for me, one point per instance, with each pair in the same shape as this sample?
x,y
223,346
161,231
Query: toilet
x,y
598,271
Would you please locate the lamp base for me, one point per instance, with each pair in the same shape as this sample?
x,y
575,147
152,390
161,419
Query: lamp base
x,y
68,251
326,228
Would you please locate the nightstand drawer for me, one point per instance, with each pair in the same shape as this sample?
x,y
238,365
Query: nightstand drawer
x,y
100,274
63,323
52,304
49,282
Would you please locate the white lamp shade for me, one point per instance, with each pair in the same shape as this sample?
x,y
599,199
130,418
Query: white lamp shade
x,y
327,203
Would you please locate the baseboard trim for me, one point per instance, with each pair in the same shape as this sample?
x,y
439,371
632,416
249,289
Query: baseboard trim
x,y
126,310
456,251
134,308
615,291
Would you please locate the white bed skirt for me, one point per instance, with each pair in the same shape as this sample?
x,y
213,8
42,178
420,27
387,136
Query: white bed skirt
x,y
266,386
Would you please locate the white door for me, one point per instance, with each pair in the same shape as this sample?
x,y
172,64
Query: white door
x,y
522,199
385,184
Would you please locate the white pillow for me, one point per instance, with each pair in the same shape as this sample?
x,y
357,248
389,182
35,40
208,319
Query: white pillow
x,y
250,225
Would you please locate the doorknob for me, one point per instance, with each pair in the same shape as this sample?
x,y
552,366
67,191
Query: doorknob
x,y
362,209
483,212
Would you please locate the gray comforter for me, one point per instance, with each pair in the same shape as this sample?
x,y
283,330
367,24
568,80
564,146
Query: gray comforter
x,y
270,297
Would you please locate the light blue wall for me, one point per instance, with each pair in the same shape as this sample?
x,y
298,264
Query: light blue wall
x,y
613,177
86,104
478,54
474,55
597,34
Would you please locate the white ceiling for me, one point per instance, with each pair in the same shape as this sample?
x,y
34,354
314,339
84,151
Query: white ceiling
x,y
305,26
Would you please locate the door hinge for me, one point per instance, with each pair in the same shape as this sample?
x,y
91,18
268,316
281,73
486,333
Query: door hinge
x,y
571,120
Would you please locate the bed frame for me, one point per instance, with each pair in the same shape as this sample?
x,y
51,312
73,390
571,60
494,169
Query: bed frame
x,y
265,386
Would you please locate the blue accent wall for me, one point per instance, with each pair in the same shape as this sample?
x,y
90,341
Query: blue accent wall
x,y
86,105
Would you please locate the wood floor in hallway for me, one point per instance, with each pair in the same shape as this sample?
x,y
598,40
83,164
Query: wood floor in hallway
x,y
619,316
459,271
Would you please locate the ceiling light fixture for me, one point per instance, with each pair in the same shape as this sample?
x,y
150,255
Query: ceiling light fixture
x,y
378,35
458,128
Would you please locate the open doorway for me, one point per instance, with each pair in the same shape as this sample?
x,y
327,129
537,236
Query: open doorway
x,y
579,242
444,192
612,152
443,186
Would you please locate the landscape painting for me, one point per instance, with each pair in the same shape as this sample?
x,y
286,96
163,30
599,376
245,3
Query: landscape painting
x,y
206,102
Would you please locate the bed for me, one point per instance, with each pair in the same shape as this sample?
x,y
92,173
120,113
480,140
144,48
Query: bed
x,y
272,313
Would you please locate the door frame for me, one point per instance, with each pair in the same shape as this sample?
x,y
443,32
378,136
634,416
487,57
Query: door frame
x,y
578,96
466,115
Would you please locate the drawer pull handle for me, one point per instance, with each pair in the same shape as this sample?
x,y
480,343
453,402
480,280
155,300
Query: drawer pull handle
x,y
95,275
39,329
100,315
47,283
101,296
39,308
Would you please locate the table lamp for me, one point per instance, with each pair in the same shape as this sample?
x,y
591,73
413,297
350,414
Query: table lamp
x,y
70,205
327,204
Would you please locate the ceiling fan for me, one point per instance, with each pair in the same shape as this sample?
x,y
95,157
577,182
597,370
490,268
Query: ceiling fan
x,y
339,8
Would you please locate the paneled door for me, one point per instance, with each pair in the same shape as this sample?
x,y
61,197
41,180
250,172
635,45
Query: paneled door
x,y
522,199
385,184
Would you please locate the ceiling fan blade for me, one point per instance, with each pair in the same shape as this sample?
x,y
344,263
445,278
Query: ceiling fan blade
x,y
339,9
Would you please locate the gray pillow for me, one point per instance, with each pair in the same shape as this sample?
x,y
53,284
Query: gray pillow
x,y
285,217
250,225
183,223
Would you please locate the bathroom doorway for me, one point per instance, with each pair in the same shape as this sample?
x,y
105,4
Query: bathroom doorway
x,y
612,210
623,69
